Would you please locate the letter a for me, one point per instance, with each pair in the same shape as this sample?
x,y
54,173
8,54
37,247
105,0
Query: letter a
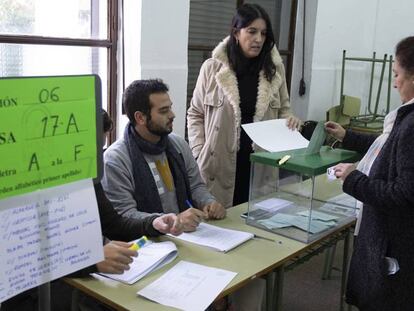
x,y
33,160
72,122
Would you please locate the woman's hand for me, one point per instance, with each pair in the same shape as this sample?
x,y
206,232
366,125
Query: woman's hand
x,y
342,170
334,129
293,123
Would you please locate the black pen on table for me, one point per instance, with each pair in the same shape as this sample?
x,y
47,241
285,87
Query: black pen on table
x,y
263,238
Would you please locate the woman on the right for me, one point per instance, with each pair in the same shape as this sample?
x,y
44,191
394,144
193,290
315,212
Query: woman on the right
x,y
381,275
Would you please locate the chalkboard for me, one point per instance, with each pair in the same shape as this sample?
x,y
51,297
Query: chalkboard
x,y
50,132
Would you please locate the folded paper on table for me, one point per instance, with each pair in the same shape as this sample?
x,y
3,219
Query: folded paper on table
x,y
217,238
281,220
273,204
275,136
318,215
188,286
151,257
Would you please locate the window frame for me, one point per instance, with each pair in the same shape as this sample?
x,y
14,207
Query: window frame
x,y
110,43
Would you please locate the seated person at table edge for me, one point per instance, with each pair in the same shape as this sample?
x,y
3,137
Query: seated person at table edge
x,y
116,253
115,227
151,170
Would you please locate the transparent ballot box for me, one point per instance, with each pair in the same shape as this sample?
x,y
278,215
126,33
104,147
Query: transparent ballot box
x,y
297,199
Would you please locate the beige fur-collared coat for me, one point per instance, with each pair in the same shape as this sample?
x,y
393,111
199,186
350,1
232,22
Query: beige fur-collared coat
x,y
214,116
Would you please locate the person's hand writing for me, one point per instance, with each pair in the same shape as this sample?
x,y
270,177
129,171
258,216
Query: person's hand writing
x,y
336,130
342,170
191,218
214,210
293,123
117,257
168,223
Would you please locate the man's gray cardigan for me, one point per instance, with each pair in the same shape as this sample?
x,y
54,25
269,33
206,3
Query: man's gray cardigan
x,y
118,180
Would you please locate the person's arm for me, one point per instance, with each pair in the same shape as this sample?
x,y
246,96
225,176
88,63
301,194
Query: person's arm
x,y
292,121
196,112
118,183
396,196
359,142
117,227
202,198
285,111
201,195
117,257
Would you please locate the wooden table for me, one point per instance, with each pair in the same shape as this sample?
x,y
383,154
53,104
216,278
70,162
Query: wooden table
x,y
255,258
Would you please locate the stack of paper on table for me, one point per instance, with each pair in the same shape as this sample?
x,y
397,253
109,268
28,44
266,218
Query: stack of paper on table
x,y
188,286
150,258
217,238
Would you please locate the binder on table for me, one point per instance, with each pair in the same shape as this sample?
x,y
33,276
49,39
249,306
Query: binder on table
x,y
151,257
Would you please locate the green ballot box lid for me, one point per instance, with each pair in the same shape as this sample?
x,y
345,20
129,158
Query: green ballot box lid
x,y
308,164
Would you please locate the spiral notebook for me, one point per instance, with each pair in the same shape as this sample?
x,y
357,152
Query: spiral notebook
x,y
151,257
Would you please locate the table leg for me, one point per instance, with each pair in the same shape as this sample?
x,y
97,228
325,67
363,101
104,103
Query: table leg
x,y
278,288
269,291
75,300
44,297
345,261
329,258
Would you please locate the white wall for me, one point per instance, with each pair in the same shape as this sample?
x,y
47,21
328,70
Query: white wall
x,y
300,103
156,40
360,27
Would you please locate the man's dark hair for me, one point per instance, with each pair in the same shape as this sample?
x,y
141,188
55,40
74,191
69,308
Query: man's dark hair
x,y
404,52
245,15
137,96
107,121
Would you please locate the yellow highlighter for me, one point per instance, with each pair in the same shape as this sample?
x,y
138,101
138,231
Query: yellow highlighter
x,y
139,243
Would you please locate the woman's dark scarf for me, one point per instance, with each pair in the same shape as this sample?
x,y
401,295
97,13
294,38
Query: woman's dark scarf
x,y
146,191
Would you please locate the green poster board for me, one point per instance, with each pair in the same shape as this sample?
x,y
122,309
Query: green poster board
x,y
48,132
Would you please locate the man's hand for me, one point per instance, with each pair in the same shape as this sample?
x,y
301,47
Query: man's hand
x,y
342,170
117,257
191,218
214,210
293,123
336,130
168,223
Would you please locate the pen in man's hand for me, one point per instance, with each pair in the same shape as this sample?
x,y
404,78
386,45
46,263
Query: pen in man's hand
x,y
188,203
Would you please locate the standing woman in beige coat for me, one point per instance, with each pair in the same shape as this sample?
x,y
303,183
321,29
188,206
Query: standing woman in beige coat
x,y
243,82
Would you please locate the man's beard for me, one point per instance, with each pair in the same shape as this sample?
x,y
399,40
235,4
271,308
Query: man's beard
x,y
157,130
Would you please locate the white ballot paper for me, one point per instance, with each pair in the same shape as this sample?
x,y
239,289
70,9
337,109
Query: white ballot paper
x,y
217,238
47,234
151,257
188,286
275,136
